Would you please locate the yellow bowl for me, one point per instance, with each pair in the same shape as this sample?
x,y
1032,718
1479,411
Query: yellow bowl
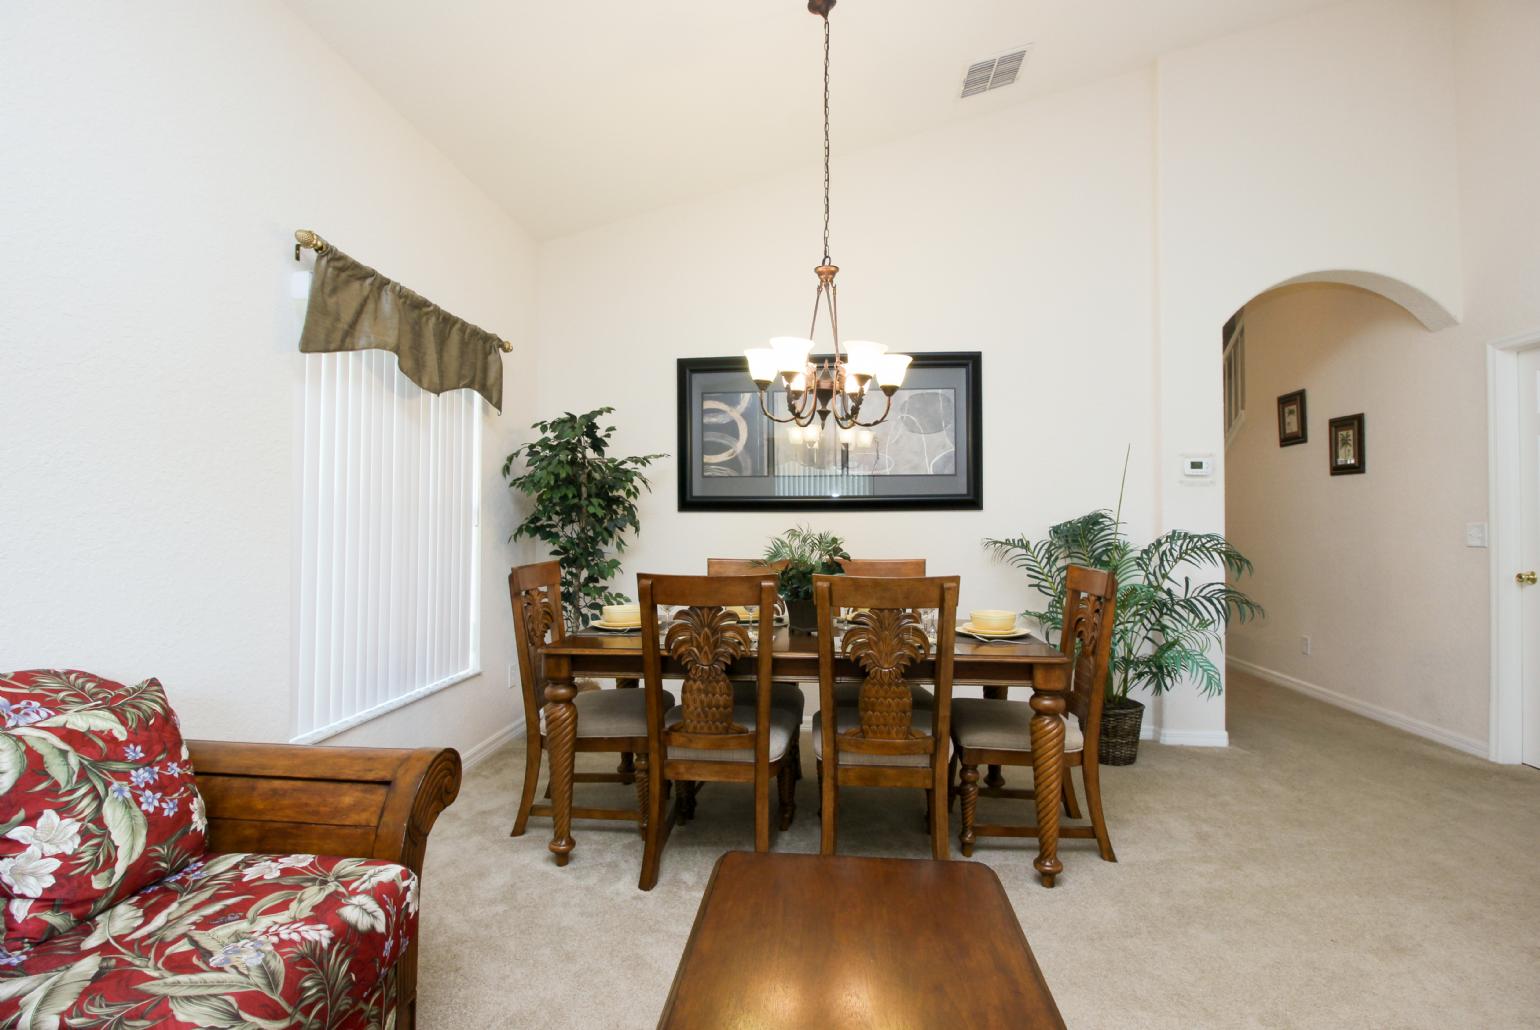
x,y
622,615
993,620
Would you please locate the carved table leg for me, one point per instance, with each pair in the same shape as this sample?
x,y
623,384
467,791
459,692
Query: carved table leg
x,y
627,766
994,778
1047,776
560,738
970,801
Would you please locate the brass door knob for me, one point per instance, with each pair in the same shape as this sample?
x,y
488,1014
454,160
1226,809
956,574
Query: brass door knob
x,y
1526,579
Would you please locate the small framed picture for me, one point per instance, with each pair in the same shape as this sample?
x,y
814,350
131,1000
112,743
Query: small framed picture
x,y
1346,437
1291,419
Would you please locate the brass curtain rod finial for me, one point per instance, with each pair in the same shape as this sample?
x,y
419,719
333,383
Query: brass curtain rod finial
x,y
309,240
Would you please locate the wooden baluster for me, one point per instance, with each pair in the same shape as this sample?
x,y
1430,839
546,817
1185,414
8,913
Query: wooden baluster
x,y
1047,730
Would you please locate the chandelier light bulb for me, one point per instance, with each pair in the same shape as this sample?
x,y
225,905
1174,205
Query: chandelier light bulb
x,y
891,370
862,356
763,364
791,353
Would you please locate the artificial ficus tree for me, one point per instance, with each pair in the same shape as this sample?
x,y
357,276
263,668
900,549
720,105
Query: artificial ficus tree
x,y
584,503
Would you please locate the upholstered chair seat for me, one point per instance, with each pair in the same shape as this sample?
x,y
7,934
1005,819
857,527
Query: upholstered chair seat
x,y
783,727
611,713
850,718
1003,726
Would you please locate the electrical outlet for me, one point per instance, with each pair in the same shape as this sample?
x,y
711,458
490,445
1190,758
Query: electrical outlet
x,y
1304,645
1475,534
513,674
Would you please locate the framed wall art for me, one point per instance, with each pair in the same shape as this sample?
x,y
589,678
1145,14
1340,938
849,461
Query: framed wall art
x,y
928,452
1291,419
1346,438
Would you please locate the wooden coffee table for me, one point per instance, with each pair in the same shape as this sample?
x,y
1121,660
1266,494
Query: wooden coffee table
x,y
787,940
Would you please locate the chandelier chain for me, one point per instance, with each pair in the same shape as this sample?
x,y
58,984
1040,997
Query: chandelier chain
x,y
826,140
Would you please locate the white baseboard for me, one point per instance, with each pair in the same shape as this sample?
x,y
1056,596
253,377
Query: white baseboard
x,y
1427,730
479,752
1195,738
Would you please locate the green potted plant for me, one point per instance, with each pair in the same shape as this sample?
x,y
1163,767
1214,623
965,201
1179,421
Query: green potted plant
x,y
1165,623
584,502
805,554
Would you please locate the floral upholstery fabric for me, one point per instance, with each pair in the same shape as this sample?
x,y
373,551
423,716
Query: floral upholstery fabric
x,y
249,941
97,798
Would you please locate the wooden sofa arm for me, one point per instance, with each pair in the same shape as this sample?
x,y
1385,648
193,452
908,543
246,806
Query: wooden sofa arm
x,y
350,802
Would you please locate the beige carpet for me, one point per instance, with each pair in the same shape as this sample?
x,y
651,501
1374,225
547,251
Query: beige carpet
x,y
1323,871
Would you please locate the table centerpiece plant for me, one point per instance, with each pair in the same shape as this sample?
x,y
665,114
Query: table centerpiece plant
x,y
1165,624
584,503
801,554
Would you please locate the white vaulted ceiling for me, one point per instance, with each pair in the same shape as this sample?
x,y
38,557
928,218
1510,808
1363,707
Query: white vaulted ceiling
x,y
575,114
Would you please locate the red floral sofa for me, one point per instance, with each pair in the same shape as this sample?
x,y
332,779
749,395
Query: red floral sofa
x,y
152,882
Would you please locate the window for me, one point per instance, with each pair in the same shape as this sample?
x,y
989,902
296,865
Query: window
x,y
389,541
1235,375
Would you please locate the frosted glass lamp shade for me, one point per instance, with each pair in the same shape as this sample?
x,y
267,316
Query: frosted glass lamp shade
x,y
763,364
798,383
862,355
891,369
791,353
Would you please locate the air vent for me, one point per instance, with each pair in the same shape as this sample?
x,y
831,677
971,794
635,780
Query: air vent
x,y
996,72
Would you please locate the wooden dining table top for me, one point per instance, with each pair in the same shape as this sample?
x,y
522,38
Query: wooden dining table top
x,y
796,648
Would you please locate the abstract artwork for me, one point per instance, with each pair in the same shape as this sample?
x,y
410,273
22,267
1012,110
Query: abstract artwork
x,y
925,454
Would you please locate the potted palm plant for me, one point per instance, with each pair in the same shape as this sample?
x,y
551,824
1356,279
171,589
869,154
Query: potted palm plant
x,y
801,555
1165,622
584,503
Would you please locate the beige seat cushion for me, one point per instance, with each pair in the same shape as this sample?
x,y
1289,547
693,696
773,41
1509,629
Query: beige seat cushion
x,y
784,695
783,726
847,694
850,718
611,713
1003,725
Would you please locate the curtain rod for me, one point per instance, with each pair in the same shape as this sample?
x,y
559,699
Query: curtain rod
x,y
312,241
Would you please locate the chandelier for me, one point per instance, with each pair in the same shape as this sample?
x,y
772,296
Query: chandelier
x,y
837,385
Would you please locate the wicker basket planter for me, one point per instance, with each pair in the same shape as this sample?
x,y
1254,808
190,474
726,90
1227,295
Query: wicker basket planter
x,y
1121,720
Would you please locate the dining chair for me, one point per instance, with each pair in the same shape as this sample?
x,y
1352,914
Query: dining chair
x,y
845,691
708,738
884,740
608,720
999,732
884,567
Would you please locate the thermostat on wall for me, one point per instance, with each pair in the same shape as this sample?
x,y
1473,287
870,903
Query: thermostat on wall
x,y
1197,466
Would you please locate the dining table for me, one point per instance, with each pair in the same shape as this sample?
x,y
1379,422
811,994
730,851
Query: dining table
x,y
996,665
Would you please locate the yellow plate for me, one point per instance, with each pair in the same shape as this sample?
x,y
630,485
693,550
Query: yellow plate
x,y
601,624
744,614
1003,634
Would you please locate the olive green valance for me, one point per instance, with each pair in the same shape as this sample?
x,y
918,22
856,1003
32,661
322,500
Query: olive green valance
x,y
353,307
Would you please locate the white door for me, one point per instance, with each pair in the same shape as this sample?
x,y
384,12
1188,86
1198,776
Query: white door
x,y
1529,551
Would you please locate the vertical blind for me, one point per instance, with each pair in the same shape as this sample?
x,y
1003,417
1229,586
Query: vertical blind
x,y
390,549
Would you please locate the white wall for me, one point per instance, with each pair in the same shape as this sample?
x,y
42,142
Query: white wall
x,y
1374,567
1026,236
157,159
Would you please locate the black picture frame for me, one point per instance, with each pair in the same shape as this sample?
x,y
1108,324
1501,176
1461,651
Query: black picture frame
x,y
1345,445
1294,402
961,488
